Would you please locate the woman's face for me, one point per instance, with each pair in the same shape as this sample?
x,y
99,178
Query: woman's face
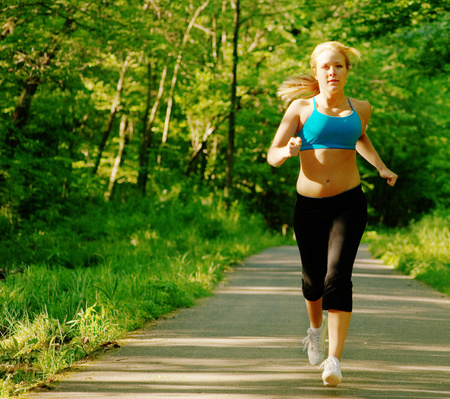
x,y
331,71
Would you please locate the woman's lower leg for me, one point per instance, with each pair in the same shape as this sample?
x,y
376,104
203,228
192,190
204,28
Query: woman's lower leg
x,y
338,324
314,309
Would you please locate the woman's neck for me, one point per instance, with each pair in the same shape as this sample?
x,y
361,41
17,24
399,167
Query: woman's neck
x,y
332,100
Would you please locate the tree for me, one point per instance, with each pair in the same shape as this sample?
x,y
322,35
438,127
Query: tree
x,y
233,99
114,107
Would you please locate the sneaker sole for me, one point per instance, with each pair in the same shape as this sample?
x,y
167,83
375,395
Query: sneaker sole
x,y
332,380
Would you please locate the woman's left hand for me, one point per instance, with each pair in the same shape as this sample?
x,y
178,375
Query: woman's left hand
x,y
389,175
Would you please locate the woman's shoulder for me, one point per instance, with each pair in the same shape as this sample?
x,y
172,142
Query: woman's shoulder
x,y
362,107
301,103
302,107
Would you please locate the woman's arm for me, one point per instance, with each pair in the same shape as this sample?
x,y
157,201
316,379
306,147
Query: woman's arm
x,y
366,149
285,145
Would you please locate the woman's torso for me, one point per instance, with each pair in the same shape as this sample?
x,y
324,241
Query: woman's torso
x,y
326,172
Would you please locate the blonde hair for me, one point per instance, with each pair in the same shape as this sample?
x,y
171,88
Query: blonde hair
x,y
306,85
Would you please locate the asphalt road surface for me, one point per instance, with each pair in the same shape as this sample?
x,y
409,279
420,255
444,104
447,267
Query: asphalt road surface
x,y
245,342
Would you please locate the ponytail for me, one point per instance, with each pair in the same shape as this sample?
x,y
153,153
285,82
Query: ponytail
x,y
305,86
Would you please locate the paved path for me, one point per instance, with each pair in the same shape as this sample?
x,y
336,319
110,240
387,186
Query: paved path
x,y
245,342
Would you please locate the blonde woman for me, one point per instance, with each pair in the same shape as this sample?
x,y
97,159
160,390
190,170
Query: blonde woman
x,y
326,129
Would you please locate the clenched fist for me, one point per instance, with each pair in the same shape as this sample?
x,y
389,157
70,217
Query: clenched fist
x,y
293,146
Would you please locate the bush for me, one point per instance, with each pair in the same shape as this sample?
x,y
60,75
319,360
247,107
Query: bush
x,y
421,250
86,280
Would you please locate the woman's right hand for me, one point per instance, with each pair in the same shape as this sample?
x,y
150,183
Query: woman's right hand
x,y
293,146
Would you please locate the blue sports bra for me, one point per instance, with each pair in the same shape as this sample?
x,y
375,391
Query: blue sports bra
x,y
324,131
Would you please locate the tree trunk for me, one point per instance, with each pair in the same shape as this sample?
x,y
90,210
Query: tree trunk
x,y
114,108
223,40
148,132
22,110
233,108
214,39
176,69
199,148
118,160
21,114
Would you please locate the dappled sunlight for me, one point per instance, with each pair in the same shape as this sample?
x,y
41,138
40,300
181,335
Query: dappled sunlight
x,y
257,262
377,298
371,264
269,270
368,262
260,290
405,390
387,276
245,378
401,313
404,350
220,342
245,343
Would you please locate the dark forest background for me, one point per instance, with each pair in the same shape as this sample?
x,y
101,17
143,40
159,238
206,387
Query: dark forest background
x,y
133,140
111,100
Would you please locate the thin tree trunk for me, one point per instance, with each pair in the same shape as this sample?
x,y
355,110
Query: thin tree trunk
x,y
176,69
223,40
20,115
72,143
76,136
150,82
118,160
114,108
210,129
22,110
214,39
199,148
232,117
148,133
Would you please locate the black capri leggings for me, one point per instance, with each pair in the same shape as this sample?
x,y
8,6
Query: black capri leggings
x,y
328,232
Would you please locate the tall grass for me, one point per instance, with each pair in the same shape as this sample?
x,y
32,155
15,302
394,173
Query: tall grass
x,y
422,250
76,283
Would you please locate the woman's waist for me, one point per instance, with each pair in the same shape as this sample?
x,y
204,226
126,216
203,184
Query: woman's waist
x,y
327,185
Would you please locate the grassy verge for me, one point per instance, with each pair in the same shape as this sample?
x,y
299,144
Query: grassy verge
x,y
422,250
75,284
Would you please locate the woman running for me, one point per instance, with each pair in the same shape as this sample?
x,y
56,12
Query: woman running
x,y
326,129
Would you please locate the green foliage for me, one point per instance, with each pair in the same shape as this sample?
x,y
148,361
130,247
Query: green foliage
x,y
61,61
85,281
421,250
60,64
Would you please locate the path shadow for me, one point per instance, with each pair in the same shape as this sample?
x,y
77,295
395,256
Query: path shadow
x,y
245,342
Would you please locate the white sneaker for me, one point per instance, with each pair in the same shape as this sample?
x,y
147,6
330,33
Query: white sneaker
x,y
316,344
331,375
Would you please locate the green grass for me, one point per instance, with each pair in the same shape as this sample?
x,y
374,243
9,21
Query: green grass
x,y
422,250
75,283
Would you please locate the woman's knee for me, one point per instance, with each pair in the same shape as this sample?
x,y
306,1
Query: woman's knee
x,y
312,292
338,294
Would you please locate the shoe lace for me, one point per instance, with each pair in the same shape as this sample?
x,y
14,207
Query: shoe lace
x,y
311,339
330,363
323,364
